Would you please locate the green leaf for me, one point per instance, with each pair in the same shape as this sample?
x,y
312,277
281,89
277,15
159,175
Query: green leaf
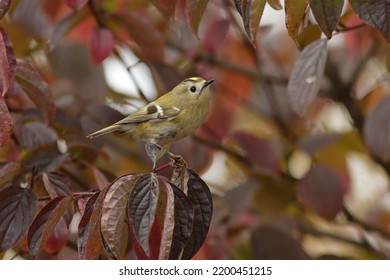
x,y
194,11
114,212
44,223
295,11
142,208
17,210
327,14
374,13
306,76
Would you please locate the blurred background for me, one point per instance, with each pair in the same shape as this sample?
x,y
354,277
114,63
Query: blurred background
x,y
295,172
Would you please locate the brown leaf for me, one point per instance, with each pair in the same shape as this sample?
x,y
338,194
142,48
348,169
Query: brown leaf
x,y
202,201
114,213
374,13
184,222
17,210
194,11
44,223
169,222
275,4
8,171
270,243
251,12
306,77
89,241
144,33
295,12
34,134
36,88
57,184
5,123
327,14
4,7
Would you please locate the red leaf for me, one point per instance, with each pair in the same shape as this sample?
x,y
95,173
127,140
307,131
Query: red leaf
x,y
327,14
5,123
142,208
169,6
4,7
44,223
76,4
89,242
194,11
154,243
306,77
114,213
58,239
36,88
215,35
7,63
322,191
17,210
101,44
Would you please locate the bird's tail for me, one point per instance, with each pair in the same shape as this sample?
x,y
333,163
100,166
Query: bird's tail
x,y
105,130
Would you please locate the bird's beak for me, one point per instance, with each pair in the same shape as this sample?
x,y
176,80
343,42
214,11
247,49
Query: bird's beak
x,y
207,83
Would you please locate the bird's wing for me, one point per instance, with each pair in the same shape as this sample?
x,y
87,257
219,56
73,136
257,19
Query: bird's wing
x,y
151,112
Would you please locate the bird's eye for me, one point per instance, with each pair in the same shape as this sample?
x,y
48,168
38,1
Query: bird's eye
x,y
193,89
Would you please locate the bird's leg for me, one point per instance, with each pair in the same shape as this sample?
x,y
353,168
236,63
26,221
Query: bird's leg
x,y
176,161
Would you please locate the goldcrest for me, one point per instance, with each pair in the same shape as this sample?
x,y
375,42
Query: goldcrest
x,y
173,116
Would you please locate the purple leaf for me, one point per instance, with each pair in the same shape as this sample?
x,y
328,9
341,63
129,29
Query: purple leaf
x,y
374,13
17,210
307,75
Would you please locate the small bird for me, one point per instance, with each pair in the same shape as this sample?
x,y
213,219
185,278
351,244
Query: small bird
x,y
169,118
